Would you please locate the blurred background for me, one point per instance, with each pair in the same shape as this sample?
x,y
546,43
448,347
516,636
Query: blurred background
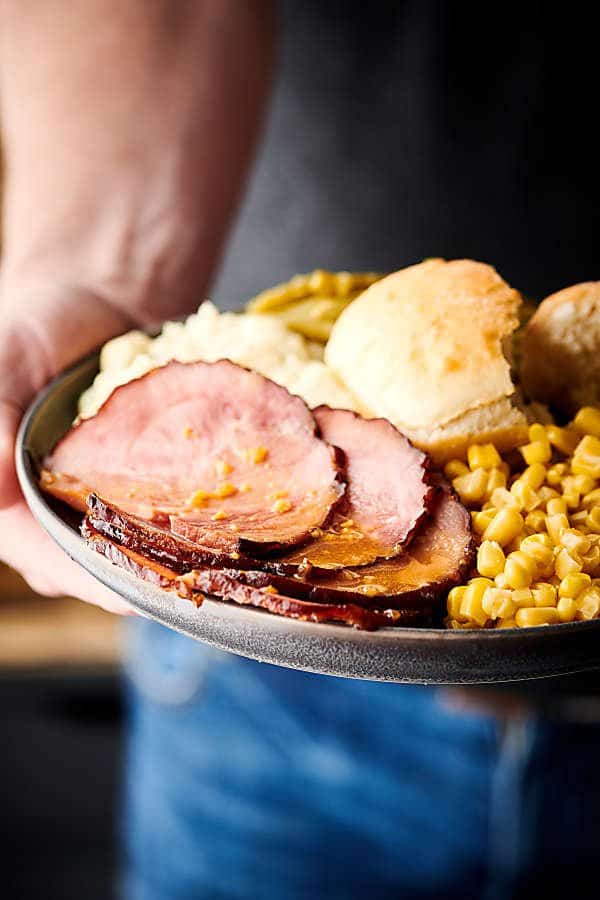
x,y
60,745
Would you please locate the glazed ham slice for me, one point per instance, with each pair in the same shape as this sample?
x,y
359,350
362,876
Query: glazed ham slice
x,y
219,453
156,542
387,497
223,584
438,557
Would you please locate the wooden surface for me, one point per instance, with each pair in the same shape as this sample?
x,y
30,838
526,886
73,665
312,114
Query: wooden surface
x,y
41,632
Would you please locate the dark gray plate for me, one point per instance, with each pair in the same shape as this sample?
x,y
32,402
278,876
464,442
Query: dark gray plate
x,y
423,655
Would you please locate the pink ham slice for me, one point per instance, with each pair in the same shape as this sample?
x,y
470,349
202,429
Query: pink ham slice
x,y
265,477
387,497
438,558
223,584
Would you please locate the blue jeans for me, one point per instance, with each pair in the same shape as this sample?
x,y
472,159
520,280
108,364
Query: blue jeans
x,y
247,781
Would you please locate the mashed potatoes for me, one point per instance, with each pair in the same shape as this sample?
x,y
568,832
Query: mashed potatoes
x,y
262,343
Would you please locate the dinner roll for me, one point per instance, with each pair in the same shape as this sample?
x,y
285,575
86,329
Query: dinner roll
x,y
423,347
560,349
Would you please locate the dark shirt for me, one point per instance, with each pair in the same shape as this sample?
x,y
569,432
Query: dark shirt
x,y
400,130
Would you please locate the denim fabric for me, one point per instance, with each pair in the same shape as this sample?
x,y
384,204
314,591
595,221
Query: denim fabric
x,y
250,781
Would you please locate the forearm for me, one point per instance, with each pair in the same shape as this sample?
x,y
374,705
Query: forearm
x,y
127,128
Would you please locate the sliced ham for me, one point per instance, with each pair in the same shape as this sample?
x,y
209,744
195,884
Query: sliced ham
x,y
156,542
134,563
438,558
223,584
387,497
222,454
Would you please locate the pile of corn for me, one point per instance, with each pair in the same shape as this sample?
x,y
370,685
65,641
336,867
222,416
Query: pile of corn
x,y
538,528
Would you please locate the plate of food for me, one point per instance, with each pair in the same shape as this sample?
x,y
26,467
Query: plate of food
x,y
357,476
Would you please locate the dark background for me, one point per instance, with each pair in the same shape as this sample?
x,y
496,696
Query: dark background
x,y
59,771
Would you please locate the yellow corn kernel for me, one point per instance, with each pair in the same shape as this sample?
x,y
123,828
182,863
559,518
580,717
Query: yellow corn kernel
x,y
572,499
555,525
544,594
454,468
455,598
525,496
556,473
538,548
534,475
219,515
518,570
536,452
470,607
566,609
537,432
506,525
547,493
591,499
593,520
584,483
566,564
502,497
496,479
498,604
523,598
586,459
483,456
281,506
541,538
506,623
556,506
572,585
539,615
564,439
481,520
588,603
501,582
490,559
471,488
575,541
536,520
568,483
587,421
